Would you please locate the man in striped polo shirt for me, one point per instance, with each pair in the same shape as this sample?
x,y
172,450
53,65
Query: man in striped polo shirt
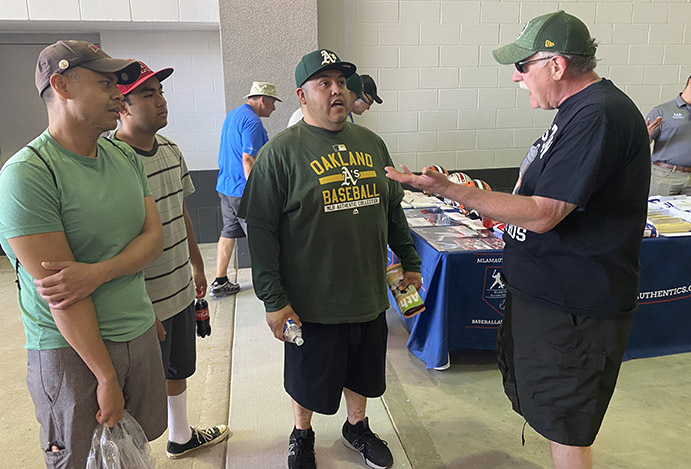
x,y
177,276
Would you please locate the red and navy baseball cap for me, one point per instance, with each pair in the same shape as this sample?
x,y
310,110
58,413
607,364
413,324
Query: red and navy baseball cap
x,y
144,75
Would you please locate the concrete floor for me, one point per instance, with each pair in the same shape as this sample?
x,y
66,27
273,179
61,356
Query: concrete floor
x,y
458,418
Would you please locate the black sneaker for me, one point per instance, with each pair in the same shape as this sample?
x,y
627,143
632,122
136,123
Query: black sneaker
x,y
373,449
227,288
301,450
201,437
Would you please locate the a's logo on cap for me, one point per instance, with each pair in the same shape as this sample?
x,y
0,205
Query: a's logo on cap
x,y
522,31
64,64
548,43
94,47
329,58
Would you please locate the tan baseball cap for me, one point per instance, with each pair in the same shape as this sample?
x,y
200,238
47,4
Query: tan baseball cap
x,y
262,88
64,55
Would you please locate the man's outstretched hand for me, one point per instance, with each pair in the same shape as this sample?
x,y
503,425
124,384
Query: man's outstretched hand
x,y
431,181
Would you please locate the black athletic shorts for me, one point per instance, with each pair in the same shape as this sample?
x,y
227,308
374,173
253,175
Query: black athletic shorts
x,y
179,350
560,369
333,357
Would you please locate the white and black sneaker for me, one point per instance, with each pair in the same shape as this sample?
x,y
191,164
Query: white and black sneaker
x,y
373,449
201,438
227,288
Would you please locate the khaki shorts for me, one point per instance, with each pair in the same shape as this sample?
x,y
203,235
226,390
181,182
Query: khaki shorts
x,y
64,393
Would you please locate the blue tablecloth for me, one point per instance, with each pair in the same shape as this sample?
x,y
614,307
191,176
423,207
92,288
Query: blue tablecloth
x,y
464,297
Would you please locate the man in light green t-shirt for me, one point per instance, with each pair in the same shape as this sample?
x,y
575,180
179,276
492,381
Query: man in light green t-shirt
x,y
320,213
78,222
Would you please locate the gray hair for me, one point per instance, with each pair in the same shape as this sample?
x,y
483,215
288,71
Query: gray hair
x,y
577,64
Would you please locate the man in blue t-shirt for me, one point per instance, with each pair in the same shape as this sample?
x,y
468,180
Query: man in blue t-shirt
x,y
241,138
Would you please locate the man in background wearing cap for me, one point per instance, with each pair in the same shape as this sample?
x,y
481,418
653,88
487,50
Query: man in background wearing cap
x,y
573,234
177,276
669,127
369,95
363,92
242,136
320,213
79,223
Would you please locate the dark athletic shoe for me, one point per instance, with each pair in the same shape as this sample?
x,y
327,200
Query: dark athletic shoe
x,y
201,438
219,290
301,450
373,449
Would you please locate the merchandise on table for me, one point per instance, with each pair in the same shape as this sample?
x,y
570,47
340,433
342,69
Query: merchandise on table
x,y
668,216
429,217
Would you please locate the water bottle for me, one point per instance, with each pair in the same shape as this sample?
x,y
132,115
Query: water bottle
x,y
293,333
201,308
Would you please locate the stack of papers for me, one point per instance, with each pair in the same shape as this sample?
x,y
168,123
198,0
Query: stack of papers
x,y
669,216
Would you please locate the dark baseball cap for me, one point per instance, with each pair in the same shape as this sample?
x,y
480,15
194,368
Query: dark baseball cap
x,y
318,60
554,32
144,75
370,87
354,84
64,55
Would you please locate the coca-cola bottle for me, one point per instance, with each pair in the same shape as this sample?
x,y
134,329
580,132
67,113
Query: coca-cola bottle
x,y
293,333
201,308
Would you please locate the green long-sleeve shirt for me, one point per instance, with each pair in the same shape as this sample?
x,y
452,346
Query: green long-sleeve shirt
x,y
320,212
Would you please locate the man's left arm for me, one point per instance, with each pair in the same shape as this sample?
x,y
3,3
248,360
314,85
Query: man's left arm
x,y
534,213
76,280
200,282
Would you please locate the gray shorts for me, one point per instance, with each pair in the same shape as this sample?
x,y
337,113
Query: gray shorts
x,y
233,226
64,393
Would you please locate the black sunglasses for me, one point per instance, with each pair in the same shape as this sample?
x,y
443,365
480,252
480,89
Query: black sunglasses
x,y
519,65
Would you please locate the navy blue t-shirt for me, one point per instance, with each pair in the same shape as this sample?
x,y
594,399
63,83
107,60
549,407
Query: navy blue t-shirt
x,y
595,155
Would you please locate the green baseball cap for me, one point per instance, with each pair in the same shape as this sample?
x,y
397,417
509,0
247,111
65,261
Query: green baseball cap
x,y
554,32
318,60
354,84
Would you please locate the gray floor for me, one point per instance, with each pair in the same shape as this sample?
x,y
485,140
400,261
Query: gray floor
x,y
458,418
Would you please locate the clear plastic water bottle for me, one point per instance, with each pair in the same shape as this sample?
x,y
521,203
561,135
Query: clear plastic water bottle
x,y
293,333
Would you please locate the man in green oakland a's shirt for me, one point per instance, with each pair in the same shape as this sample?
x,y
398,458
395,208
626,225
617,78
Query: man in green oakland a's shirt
x,y
320,213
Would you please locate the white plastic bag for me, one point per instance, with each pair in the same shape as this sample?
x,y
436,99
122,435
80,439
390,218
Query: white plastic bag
x,y
123,447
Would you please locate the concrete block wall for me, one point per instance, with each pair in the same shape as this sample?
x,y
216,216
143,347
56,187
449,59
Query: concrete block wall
x,y
445,99
183,11
196,104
